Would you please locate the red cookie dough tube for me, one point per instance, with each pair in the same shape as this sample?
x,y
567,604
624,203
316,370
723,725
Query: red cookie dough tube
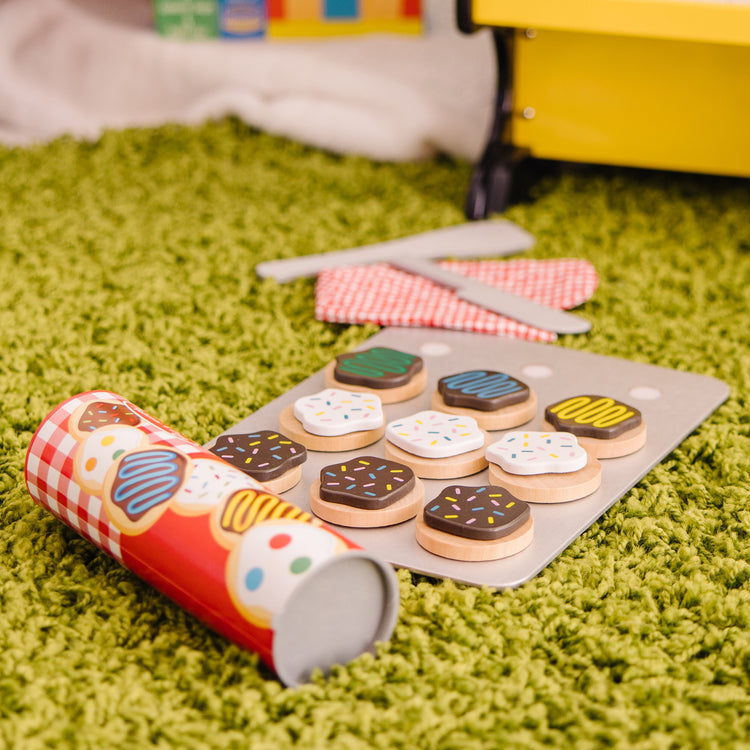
x,y
261,572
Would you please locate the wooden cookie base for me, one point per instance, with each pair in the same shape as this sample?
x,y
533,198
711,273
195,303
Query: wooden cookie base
x,y
344,515
502,419
292,427
622,445
453,467
472,550
285,482
387,395
550,488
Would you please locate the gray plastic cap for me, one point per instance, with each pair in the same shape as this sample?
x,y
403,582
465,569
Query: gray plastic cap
x,y
343,608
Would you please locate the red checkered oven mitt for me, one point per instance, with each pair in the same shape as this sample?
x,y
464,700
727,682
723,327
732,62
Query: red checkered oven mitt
x,y
386,296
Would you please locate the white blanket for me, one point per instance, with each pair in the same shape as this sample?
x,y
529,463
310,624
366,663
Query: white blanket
x,y
68,67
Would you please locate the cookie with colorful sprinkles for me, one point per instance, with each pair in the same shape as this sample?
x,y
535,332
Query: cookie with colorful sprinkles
x,y
100,449
496,400
265,455
475,524
270,560
366,492
392,374
334,420
543,467
436,445
94,415
607,428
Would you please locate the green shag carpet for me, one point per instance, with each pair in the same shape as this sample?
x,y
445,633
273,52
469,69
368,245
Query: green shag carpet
x,y
127,264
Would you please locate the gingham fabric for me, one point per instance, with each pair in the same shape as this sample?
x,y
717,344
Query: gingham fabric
x,y
49,470
385,295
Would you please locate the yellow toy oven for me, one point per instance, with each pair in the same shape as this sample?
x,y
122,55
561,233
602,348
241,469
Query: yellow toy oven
x,y
661,84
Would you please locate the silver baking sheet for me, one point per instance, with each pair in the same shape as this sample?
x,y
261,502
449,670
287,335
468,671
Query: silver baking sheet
x,y
673,404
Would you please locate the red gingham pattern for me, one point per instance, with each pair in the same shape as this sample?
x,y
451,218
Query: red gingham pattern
x,y
49,478
49,470
386,296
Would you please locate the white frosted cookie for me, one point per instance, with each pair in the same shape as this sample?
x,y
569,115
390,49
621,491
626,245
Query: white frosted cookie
x,y
100,449
433,434
543,467
436,445
529,452
334,420
334,412
210,483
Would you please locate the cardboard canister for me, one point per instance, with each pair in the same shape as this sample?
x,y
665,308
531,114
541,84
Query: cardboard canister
x,y
265,574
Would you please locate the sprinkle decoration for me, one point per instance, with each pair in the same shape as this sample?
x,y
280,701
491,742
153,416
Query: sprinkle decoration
x,y
335,412
461,511
433,434
366,482
529,453
263,455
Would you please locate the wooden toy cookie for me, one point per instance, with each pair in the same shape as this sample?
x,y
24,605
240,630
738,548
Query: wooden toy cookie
x,y
266,455
495,399
605,427
394,375
543,467
366,492
475,524
334,420
437,445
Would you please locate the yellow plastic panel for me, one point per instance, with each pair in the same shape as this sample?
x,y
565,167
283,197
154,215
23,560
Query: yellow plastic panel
x,y
721,22
633,101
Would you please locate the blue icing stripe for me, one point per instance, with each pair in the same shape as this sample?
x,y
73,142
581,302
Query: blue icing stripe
x,y
483,384
146,479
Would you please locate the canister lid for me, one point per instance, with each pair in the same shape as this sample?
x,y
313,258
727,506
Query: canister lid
x,y
342,609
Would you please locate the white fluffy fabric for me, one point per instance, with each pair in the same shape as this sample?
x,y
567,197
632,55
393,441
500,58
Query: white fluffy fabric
x,y
72,67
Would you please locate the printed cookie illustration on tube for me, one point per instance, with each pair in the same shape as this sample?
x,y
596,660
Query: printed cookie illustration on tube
x,y
260,571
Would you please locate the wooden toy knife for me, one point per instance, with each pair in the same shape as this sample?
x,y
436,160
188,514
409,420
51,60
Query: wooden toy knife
x,y
497,300
470,240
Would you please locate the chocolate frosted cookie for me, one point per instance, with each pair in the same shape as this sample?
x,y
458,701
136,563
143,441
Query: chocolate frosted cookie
x,y
485,390
395,375
607,428
366,491
487,512
97,414
495,399
265,455
475,523
139,487
367,482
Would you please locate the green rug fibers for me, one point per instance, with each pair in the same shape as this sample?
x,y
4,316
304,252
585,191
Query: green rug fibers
x,y
127,264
